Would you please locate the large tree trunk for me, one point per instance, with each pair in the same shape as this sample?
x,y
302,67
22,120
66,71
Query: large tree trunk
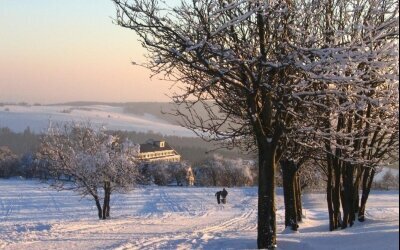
x,y
106,204
357,190
289,169
366,186
299,206
266,231
98,205
329,194
348,195
353,197
336,195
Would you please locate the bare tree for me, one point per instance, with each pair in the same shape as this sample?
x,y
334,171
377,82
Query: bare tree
x,y
356,102
232,59
254,67
94,161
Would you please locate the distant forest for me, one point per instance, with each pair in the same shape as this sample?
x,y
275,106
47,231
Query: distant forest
x,y
193,150
19,143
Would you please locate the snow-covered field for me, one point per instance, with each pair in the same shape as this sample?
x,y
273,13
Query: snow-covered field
x,y
18,118
35,217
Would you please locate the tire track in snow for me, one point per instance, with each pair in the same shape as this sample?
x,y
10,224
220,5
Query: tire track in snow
x,y
171,205
6,209
229,223
144,243
153,243
174,206
197,236
233,224
11,207
201,236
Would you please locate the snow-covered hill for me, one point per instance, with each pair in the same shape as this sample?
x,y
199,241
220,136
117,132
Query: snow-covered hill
x,y
35,217
19,117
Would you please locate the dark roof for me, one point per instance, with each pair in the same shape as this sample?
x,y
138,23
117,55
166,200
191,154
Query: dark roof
x,y
147,147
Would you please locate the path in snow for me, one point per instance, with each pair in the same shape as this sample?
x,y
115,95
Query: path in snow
x,y
35,217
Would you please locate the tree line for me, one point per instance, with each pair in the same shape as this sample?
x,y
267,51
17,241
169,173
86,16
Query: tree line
x,y
190,148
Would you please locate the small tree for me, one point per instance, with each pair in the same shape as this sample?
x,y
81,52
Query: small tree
x,y
95,161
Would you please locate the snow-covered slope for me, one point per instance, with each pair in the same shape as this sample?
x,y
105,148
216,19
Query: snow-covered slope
x,y
35,217
18,118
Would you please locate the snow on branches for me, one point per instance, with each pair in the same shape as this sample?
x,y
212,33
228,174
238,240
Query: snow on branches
x,y
231,54
91,158
262,74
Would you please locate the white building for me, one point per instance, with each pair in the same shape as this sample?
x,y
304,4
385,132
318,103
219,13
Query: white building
x,y
152,151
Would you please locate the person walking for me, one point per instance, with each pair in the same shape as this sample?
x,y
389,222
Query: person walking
x,y
224,193
218,194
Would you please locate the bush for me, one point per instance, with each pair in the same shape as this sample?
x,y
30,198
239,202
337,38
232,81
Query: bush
x,y
388,181
166,173
8,163
218,171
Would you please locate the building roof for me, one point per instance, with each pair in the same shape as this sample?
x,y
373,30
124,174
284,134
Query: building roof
x,y
148,147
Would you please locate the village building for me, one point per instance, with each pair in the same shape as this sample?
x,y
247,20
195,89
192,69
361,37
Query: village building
x,y
153,151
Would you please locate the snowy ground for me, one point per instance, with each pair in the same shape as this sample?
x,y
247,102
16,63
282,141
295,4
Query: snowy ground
x,y
18,118
35,217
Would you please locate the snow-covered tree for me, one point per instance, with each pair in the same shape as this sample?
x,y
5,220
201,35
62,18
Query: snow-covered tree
x,y
389,180
164,173
232,59
96,162
352,71
259,68
219,171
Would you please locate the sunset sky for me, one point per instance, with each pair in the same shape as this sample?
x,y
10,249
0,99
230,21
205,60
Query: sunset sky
x,y
69,50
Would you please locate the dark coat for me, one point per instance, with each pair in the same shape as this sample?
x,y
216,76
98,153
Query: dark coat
x,y
224,193
218,194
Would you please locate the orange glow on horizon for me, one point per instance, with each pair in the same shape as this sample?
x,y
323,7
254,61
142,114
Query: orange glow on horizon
x,y
49,56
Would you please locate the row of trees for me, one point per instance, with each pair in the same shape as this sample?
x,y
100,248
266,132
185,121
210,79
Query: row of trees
x,y
93,162
282,77
190,148
213,171
19,143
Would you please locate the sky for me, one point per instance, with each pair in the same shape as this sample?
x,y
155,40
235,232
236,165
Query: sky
x,y
54,51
